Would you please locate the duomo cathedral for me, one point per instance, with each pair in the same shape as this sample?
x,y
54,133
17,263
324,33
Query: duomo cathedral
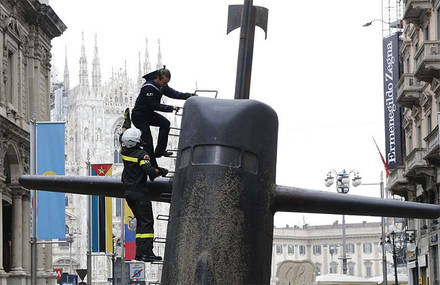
x,y
93,112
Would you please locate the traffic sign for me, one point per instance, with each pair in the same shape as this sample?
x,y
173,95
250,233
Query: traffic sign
x,y
137,271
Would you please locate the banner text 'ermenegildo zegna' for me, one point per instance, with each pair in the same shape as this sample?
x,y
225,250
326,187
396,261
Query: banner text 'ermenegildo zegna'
x,y
392,111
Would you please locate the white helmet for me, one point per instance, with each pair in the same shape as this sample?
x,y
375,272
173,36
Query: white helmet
x,y
131,137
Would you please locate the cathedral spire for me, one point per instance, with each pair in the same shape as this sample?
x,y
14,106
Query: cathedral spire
x,y
159,56
96,72
147,65
139,71
66,73
83,74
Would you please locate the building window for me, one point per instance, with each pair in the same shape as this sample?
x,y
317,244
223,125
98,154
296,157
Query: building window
x,y
66,200
333,268
302,249
333,249
118,207
419,136
428,123
290,249
368,248
10,77
410,142
368,269
350,248
317,269
279,249
426,33
317,250
351,268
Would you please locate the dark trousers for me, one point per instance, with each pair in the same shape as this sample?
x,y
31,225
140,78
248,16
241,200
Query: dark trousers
x,y
143,213
143,121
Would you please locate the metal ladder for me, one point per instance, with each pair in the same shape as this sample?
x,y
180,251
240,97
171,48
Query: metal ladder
x,y
174,132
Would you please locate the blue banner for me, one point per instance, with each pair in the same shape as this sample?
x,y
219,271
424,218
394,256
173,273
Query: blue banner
x,y
393,133
51,218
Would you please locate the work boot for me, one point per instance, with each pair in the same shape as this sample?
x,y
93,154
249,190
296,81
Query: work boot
x,y
149,258
165,153
127,120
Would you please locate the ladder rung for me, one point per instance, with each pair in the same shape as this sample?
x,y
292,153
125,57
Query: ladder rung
x,y
174,128
157,262
162,217
154,283
174,135
160,240
165,196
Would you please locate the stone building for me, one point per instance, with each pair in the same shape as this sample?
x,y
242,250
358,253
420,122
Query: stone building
x,y
27,28
418,96
322,246
93,111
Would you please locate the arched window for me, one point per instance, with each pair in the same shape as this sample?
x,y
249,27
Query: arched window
x,y
368,269
290,249
333,268
351,266
317,269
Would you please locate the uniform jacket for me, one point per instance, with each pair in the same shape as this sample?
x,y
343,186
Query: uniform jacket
x,y
135,173
150,96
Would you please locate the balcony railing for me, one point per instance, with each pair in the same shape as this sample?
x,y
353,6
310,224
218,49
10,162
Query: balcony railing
x,y
432,147
415,160
414,10
428,61
408,90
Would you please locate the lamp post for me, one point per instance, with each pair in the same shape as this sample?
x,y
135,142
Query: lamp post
x,y
382,223
396,244
343,186
411,246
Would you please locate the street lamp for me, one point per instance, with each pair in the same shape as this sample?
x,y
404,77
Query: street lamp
x,y
343,187
397,244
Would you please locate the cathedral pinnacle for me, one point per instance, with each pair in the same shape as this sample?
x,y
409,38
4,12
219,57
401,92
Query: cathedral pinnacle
x,y
96,72
159,64
83,74
147,65
66,73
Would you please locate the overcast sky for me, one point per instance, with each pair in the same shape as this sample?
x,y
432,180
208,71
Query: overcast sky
x,y
319,69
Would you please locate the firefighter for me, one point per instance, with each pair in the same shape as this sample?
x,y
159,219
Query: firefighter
x,y
144,112
137,167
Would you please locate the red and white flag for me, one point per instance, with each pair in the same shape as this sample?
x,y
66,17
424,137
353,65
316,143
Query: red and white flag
x,y
387,169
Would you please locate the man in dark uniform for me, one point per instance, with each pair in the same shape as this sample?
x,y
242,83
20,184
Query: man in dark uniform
x,y
137,167
144,112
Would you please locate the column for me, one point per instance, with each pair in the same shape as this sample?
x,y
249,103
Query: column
x,y
358,260
2,89
3,275
17,233
41,275
325,252
26,232
2,188
309,252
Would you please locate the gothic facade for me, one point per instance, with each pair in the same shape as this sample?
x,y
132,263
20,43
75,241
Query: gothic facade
x,y
93,111
26,30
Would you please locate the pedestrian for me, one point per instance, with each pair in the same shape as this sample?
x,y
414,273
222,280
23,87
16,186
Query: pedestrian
x,y
137,169
145,114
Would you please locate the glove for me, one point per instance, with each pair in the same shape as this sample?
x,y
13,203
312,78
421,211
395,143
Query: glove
x,y
163,171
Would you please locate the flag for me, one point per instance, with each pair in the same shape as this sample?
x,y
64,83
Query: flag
x,y
102,236
130,233
387,170
51,214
